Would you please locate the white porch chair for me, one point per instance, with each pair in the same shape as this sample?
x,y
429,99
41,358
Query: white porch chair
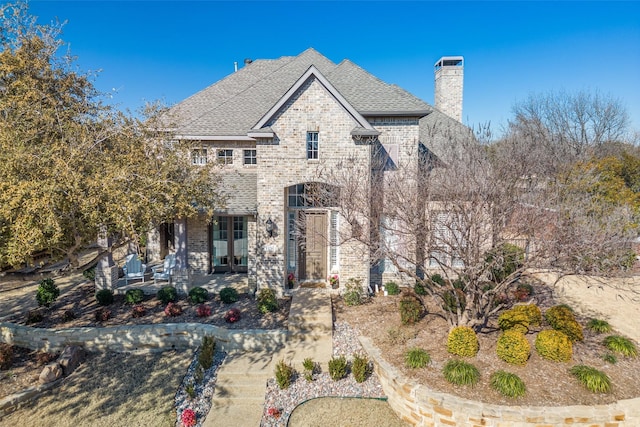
x,y
133,268
167,269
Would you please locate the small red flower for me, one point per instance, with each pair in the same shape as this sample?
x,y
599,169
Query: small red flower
x,y
232,315
188,417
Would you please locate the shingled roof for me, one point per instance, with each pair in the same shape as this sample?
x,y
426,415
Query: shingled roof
x,y
232,106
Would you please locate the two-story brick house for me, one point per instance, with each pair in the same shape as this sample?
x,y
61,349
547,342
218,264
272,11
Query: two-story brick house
x,y
272,125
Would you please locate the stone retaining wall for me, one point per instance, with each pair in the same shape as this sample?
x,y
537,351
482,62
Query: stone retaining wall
x,y
420,406
155,337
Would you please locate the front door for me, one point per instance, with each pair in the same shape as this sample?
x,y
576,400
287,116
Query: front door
x,y
229,251
313,264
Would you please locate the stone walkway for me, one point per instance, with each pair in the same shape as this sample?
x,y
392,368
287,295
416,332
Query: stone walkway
x,y
242,379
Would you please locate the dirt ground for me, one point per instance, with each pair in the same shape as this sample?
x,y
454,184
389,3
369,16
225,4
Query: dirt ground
x,y
548,383
335,411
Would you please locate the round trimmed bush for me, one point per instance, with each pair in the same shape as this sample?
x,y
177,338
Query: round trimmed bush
x,y
462,341
554,345
508,384
167,294
420,289
133,296
459,372
47,292
561,318
198,295
513,348
392,288
267,301
104,297
513,320
229,295
532,311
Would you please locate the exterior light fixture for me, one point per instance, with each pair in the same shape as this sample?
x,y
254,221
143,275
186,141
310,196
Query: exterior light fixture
x,y
269,227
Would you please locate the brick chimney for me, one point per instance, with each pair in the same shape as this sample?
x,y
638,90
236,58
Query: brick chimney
x,y
449,72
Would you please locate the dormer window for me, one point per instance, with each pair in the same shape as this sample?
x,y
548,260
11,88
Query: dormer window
x,y
312,145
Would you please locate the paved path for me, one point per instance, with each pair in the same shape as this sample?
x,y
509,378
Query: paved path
x,y
242,379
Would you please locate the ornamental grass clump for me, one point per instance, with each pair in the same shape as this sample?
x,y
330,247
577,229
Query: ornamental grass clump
x,y
284,374
462,341
338,368
459,372
47,292
592,379
513,348
310,367
508,384
621,345
416,358
360,368
599,326
554,345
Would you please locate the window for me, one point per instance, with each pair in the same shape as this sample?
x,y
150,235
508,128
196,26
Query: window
x,y
225,157
312,145
199,156
250,157
333,240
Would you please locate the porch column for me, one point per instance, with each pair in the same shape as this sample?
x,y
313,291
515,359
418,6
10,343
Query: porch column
x,y
181,278
106,276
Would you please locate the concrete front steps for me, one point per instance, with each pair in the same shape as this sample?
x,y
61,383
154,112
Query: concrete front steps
x,y
242,379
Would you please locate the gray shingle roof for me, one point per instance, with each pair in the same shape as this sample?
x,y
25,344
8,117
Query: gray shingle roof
x,y
241,190
233,105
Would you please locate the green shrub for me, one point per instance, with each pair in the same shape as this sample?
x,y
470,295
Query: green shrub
x,y
354,293
554,345
338,368
599,326
621,345
167,294
513,320
207,350
513,348
360,368
90,273
453,299
503,261
532,311
562,319
198,295
47,292
610,358
392,288
284,374
410,310
310,367
134,296
6,356
267,301
229,295
190,389
416,358
104,297
462,341
420,289
437,279
508,384
523,292
594,380
459,372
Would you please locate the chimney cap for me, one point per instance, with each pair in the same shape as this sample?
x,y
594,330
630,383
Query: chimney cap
x,y
450,61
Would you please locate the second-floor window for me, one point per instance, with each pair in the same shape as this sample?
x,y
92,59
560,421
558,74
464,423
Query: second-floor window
x,y
312,145
250,157
199,156
225,157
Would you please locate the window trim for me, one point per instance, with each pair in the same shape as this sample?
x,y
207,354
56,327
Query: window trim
x,y
313,145
224,156
199,156
253,159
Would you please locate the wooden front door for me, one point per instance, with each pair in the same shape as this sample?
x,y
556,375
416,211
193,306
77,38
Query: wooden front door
x,y
314,253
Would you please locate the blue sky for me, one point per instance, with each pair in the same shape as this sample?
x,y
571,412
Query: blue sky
x,y
168,50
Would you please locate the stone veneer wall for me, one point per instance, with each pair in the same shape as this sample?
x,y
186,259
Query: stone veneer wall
x,y
418,405
156,337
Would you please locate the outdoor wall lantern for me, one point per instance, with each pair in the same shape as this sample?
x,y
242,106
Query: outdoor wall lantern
x,y
270,226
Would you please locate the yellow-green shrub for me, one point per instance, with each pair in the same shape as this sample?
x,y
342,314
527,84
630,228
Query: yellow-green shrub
x,y
512,320
554,345
532,312
562,319
513,348
462,341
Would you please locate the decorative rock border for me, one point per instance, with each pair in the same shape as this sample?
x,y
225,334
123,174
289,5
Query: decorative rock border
x,y
152,337
421,406
15,401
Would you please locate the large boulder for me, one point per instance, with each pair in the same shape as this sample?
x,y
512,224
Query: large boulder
x,y
50,373
71,358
